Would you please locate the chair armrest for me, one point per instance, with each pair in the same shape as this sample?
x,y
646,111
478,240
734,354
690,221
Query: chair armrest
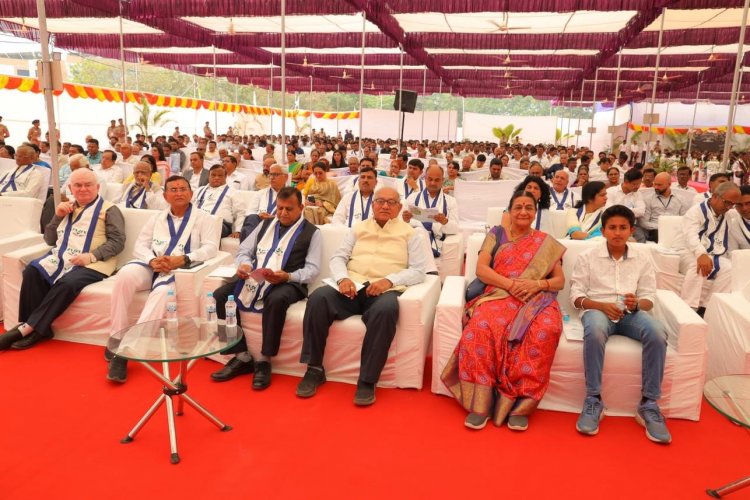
x,y
189,284
448,327
417,303
665,260
13,265
26,254
686,331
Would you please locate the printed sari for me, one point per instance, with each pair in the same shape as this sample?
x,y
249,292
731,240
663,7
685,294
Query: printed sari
x,y
503,359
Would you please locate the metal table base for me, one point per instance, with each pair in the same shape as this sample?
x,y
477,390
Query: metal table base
x,y
173,388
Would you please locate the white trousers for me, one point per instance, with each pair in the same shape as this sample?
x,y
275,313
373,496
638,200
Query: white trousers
x,y
130,279
697,290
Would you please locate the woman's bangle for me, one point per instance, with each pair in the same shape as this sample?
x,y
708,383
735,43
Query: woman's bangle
x,y
548,285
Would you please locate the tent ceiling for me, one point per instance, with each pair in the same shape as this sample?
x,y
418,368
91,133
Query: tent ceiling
x,y
481,48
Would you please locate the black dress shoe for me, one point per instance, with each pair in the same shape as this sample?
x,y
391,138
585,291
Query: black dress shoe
x,y
232,369
9,337
29,341
262,378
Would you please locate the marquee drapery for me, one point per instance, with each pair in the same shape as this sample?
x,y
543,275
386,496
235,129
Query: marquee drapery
x,y
737,129
77,91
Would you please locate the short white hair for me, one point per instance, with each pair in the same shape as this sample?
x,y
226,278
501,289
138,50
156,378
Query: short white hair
x,y
80,159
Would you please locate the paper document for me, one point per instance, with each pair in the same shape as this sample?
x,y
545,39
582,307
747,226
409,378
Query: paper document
x,y
259,275
332,284
573,330
423,214
223,272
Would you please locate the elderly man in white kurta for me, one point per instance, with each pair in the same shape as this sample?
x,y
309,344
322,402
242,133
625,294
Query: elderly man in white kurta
x,y
87,235
218,198
445,223
170,240
26,180
703,247
142,193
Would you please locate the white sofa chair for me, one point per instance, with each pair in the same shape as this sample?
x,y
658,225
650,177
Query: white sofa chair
x,y
729,323
666,259
406,358
473,198
621,385
87,320
114,191
557,220
229,244
20,228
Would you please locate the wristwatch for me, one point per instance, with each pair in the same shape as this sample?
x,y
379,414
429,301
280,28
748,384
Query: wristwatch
x,y
187,261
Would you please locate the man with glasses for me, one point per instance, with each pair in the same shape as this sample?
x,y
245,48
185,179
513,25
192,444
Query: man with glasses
x,y
87,234
142,193
703,247
377,260
263,206
288,248
219,198
171,239
739,221
25,180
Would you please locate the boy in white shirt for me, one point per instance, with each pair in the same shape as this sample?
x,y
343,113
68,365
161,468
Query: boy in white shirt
x,y
613,285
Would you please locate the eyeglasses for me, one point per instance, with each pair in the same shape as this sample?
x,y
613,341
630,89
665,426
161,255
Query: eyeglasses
x,y
178,190
87,185
383,201
727,203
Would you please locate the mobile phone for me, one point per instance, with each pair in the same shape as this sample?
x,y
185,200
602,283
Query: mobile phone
x,y
194,263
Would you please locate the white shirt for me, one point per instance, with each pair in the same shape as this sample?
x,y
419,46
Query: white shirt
x,y
597,174
561,201
738,167
686,188
702,231
111,174
154,197
597,276
513,163
739,231
232,208
700,197
204,243
634,200
238,181
352,207
439,230
27,182
265,201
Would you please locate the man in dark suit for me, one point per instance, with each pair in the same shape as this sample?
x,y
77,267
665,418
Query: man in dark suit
x,y
195,174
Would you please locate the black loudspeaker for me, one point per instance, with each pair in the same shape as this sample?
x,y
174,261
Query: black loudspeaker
x,y
406,101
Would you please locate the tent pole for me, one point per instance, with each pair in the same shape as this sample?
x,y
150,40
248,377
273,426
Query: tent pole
x,y
593,107
735,83
614,104
122,69
310,104
338,93
655,82
400,100
448,131
362,77
580,111
440,97
270,91
216,106
424,93
692,124
283,77
47,76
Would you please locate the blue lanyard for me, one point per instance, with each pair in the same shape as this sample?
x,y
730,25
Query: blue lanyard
x,y
365,210
560,204
12,180
89,236
277,240
271,208
174,237
596,220
218,202
131,199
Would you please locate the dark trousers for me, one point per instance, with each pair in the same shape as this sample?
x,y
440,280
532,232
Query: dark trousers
x,y
226,229
251,222
379,315
41,303
48,211
273,316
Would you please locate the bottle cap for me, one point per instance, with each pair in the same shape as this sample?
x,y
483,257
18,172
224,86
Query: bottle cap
x,y
230,298
210,294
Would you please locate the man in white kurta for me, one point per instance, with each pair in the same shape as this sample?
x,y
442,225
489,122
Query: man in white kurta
x,y
142,193
108,171
561,197
703,247
739,222
263,206
235,179
627,193
218,198
170,240
444,223
357,205
26,180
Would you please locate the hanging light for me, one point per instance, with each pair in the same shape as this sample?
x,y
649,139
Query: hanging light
x,y
24,28
231,29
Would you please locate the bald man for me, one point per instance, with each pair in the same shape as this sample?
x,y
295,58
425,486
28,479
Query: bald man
x,y
87,234
661,202
26,180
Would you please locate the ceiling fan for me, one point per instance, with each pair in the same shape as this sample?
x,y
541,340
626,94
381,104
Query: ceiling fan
x,y
712,58
304,63
502,25
344,76
666,78
507,61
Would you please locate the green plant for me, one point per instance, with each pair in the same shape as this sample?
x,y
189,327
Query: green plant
x,y
636,137
146,120
507,133
559,136
678,141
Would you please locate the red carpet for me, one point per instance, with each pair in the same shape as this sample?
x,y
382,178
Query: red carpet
x,y
63,421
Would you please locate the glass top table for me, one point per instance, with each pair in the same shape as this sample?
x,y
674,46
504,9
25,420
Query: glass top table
x,y
163,340
183,342
730,395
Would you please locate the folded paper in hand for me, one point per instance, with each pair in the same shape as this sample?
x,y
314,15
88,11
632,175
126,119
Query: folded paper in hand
x,y
423,214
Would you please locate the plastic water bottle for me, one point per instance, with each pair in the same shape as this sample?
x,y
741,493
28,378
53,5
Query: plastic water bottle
x,y
566,317
620,303
230,309
210,308
171,315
